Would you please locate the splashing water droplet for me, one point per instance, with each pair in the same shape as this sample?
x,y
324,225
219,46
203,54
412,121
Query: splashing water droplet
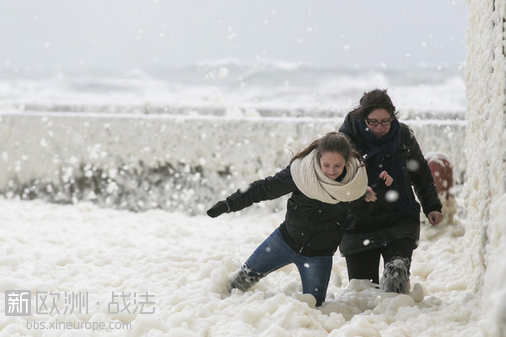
x,y
412,165
392,196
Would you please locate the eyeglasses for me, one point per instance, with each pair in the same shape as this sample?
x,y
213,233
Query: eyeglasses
x,y
373,122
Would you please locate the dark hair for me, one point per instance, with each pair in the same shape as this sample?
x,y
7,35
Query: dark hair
x,y
374,99
331,142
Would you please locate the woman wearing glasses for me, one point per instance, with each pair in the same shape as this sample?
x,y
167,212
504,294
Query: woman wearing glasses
x,y
391,228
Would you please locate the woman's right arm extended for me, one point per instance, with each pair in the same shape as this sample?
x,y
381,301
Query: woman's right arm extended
x,y
265,189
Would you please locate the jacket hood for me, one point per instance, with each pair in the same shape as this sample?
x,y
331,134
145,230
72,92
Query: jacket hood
x,y
348,127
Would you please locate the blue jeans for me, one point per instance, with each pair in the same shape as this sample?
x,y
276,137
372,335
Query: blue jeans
x,y
274,253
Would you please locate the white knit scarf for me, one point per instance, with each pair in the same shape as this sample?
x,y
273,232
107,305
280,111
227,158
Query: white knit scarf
x,y
310,180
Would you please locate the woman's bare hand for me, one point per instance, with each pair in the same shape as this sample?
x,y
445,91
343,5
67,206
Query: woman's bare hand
x,y
370,195
387,178
434,217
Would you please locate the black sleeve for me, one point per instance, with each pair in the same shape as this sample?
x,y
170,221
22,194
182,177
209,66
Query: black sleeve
x,y
356,210
422,179
266,189
380,188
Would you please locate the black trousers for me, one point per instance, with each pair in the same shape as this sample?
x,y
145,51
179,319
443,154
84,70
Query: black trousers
x,y
365,265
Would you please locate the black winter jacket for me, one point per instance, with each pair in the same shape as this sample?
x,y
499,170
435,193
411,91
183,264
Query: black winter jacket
x,y
311,227
383,224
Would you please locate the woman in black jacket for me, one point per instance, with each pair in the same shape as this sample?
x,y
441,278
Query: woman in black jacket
x,y
391,227
328,183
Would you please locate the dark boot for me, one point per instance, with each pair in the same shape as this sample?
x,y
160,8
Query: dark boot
x,y
396,276
245,278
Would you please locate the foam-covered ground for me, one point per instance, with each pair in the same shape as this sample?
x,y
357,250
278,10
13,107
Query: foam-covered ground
x,y
182,263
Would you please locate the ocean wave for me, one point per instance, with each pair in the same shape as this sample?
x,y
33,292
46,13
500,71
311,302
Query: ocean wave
x,y
227,83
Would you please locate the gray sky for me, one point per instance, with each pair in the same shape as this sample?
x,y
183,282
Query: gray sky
x,y
137,33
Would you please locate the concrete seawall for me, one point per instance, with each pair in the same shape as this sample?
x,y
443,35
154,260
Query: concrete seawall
x,y
173,162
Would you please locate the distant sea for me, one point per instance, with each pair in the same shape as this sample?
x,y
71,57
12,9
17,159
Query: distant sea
x,y
224,87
